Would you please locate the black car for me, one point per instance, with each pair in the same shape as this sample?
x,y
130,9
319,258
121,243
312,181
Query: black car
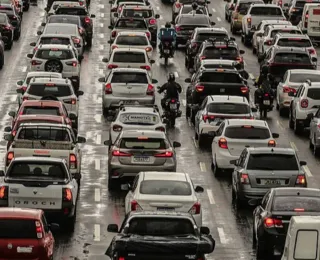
x,y
85,17
186,23
295,9
7,31
226,49
14,19
272,216
198,36
26,5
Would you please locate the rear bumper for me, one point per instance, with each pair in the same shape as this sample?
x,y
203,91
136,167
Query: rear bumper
x,y
248,193
223,159
182,39
204,129
273,241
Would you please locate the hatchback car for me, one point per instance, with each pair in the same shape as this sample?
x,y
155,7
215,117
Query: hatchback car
x,y
139,150
14,19
7,31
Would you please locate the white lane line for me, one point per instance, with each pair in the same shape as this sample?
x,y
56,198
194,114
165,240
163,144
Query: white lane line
x,y
158,8
101,35
99,101
184,102
210,196
161,18
222,235
213,10
97,117
101,71
294,146
101,6
97,164
101,25
24,69
280,124
195,142
176,74
189,123
98,139
218,18
96,232
101,47
251,76
13,98
100,57
203,167
97,196
102,15
245,64
306,169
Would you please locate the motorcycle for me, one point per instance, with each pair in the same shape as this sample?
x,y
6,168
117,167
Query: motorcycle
x,y
172,112
265,104
167,49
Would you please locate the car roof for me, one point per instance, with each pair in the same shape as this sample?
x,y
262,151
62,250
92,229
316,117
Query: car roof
x,y
280,26
129,50
264,5
240,122
218,61
35,159
44,125
296,71
51,80
168,176
213,70
146,133
40,117
228,99
135,33
41,103
131,18
139,109
72,5
192,15
64,15
65,3
211,29
20,213
290,35
293,191
160,214
43,73
3,14
142,7
55,46
249,1
282,49
271,150
57,35
129,70
60,25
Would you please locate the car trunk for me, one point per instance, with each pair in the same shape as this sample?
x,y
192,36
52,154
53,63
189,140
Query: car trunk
x,y
256,19
142,157
236,146
215,119
272,179
129,90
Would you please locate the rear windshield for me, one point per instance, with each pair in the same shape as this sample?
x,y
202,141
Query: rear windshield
x,y
49,134
63,19
70,30
56,90
138,119
3,18
37,121
121,1
137,13
294,42
131,24
161,187
161,227
54,40
17,229
221,53
218,66
274,32
132,40
38,170
292,58
314,93
220,77
244,6
129,57
41,111
228,108
275,162
300,78
148,143
289,203
247,132
71,11
127,77
266,11
54,54
194,20
301,4
201,37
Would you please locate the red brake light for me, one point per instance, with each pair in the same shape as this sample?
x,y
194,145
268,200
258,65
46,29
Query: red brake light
x,y
121,258
245,178
150,90
114,34
10,156
178,28
3,192
199,88
39,230
223,144
244,90
194,45
35,62
14,133
287,89
203,57
121,154
73,161
178,5
148,34
135,206
240,59
72,63
108,89
145,67
249,21
266,95
271,223
196,208
81,3
160,128
166,154
312,51
67,194
76,40
112,66
117,128
280,3
304,103
299,210
148,49
72,101
87,19
272,143
206,117
24,88
152,21
114,47
301,179
269,42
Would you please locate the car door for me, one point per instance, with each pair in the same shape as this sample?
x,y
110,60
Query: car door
x,y
259,213
200,113
314,124
238,166
131,194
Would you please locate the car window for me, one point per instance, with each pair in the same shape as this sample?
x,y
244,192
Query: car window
x,y
309,250
36,121
163,187
42,90
207,35
275,162
247,132
291,57
143,143
54,40
137,13
188,8
45,224
300,78
129,77
221,52
314,93
194,20
294,42
221,128
131,24
54,54
132,40
290,203
266,11
71,11
274,32
41,111
138,119
220,77
129,57
49,134
17,229
228,108
63,19
70,30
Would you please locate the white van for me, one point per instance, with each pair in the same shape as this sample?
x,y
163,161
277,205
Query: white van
x,y
303,238
310,21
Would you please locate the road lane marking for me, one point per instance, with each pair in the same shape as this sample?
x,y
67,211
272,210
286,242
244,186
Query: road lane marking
x,y
101,47
101,25
294,147
158,8
97,117
306,169
161,18
184,102
176,74
102,15
189,123
213,10
195,142
218,18
280,124
101,35
210,196
101,71
14,98
222,235
96,232
24,69
97,196
101,6
98,139
251,76
97,164
203,167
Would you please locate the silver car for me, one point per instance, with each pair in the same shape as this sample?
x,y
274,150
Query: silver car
x,y
314,136
135,151
259,169
127,86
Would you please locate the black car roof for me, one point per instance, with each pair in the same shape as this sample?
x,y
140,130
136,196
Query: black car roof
x,y
280,49
296,192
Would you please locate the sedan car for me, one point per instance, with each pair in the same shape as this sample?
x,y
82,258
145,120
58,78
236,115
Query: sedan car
x,y
7,31
164,191
314,136
259,169
139,150
14,19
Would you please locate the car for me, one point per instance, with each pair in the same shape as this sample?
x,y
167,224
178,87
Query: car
x,y
260,168
85,16
151,191
233,136
198,36
215,109
136,40
267,39
129,58
177,4
127,86
229,8
28,232
295,9
121,6
57,58
129,24
258,31
148,14
240,9
314,135
188,9
283,4
61,89
51,9
14,19
310,16
291,81
7,31
186,23
68,29
139,150
57,187
272,215
225,49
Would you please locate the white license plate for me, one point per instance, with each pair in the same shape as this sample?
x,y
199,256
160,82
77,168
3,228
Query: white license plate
x,y
141,159
128,101
173,106
266,102
272,182
24,249
222,90
166,51
316,29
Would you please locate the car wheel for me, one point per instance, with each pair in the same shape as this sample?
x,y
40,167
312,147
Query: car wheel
x,y
89,42
226,16
310,143
112,184
298,129
70,222
282,111
201,141
9,45
216,169
104,110
26,8
192,117
2,62
316,150
254,240
233,30
186,63
196,136
260,251
254,50
17,35
291,123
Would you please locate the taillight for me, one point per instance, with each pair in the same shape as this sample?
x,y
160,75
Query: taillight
x,y
73,161
10,156
160,128
35,62
266,94
244,178
14,133
203,57
150,90
113,9
178,5
108,89
312,51
178,28
76,40
72,63
306,20
39,230
165,154
3,192
206,117
272,143
117,128
194,45
148,49
114,34
273,223
25,98
81,31
7,27
81,3
87,20
135,206
121,258
67,194
121,154
119,9
114,47
112,66
244,90
146,67
301,180
71,101
148,34
287,89
280,3
24,88
268,42
152,21
304,103
199,88
196,208
223,144
249,22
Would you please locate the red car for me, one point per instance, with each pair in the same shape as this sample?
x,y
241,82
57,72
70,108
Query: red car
x,y
25,234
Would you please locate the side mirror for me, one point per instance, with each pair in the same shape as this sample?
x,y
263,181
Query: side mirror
x,y
254,202
234,162
154,81
19,83
274,135
213,23
43,24
81,140
80,93
204,230
39,32
12,113
152,61
105,60
253,109
72,116
110,41
8,137
113,228
199,189
107,143
93,16
314,59
102,80
212,134
8,129
310,116
115,15
187,80
19,90
176,144
30,55
303,163
1,173
110,27
126,186
242,52
54,227
33,44
157,16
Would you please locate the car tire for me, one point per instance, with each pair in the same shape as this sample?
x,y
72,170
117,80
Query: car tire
x,y
282,112
105,111
112,184
237,202
2,61
89,42
26,8
186,62
246,41
69,223
216,170
254,240
297,128
316,150
9,45
225,16
196,136
310,143
201,141
291,123
187,112
260,251
254,50
233,30
17,35
192,117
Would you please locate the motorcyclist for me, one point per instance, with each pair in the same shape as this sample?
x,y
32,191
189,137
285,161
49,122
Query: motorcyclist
x,y
263,84
167,34
172,88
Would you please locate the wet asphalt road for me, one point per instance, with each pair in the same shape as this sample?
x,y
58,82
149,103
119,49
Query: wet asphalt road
x,y
97,207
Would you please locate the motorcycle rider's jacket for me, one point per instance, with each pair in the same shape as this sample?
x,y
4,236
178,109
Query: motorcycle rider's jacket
x,y
173,89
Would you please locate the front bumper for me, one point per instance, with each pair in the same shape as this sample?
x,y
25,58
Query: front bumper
x,y
110,101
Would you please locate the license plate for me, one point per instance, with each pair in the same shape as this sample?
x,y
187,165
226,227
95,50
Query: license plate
x,y
316,29
272,182
166,51
141,159
24,249
222,90
266,102
128,102
173,106
165,209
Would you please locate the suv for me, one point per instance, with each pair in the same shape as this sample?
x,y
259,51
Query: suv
x,y
57,58
7,31
198,36
15,19
306,100
295,9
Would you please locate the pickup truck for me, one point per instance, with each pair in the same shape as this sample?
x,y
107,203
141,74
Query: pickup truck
x,y
159,235
256,14
46,140
40,183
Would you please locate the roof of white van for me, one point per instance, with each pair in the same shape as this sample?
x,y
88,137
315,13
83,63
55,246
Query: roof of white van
x,y
306,220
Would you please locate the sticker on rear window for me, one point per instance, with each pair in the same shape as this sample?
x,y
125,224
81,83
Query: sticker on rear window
x,y
138,118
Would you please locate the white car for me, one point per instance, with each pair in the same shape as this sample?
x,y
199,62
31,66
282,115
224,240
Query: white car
x,y
136,118
314,136
136,40
164,191
214,110
233,136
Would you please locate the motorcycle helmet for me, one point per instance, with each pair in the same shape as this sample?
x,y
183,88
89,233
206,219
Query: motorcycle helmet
x,y
194,5
168,25
171,77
